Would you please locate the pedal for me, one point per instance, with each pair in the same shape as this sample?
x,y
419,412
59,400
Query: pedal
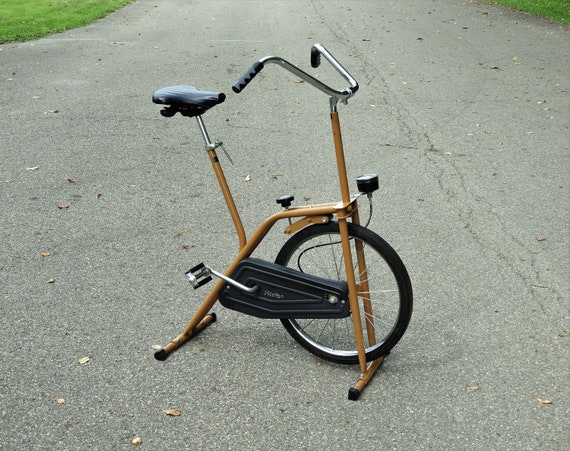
x,y
199,275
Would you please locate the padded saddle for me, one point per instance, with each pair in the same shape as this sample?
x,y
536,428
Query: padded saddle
x,y
186,100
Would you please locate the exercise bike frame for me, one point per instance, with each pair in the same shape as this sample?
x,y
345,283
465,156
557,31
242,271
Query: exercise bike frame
x,y
299,217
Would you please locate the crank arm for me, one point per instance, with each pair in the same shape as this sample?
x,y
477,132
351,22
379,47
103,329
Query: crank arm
x,y
205,272
232,282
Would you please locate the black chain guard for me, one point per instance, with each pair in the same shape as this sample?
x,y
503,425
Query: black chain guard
x,y
284,293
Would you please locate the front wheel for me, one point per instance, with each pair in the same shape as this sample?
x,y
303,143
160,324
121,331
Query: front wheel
x,y
384,292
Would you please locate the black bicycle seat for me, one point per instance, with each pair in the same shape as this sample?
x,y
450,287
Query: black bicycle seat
x,y
186,100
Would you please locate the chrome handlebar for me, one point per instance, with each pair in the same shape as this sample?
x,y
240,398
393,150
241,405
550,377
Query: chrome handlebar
x,y
316,51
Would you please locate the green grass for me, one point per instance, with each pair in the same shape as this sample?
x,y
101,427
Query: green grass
x,y
551,9
21,20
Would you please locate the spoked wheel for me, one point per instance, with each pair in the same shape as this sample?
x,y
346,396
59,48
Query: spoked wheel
x,y
384,292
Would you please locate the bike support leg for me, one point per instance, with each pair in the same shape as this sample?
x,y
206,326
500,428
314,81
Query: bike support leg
x,y
197,323
367,370
355,392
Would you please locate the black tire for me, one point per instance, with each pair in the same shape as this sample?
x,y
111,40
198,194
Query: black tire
x,y
317,250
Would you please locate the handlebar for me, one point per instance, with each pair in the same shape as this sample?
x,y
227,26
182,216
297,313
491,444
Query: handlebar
x,y
316,51
247,77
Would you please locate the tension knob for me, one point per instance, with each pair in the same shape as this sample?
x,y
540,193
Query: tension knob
x,y
367,183
285,201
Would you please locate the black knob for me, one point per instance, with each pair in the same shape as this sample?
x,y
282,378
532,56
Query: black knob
x,y
285,201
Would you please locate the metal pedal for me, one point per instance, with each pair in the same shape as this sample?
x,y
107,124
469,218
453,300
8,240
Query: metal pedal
x,y
198,275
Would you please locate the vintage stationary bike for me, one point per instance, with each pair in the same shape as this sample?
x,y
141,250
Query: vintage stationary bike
x,y
338,288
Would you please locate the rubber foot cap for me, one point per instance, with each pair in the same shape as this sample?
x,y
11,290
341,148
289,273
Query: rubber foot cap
x,y
161,355
353,394
214,317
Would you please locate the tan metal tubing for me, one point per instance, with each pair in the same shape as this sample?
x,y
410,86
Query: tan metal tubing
x,y
228,197
341,164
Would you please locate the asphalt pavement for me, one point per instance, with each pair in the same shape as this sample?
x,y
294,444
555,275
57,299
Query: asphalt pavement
x,y
463,110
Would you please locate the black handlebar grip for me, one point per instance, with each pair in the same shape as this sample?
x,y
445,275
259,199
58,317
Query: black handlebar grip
x,y
315,57
247,77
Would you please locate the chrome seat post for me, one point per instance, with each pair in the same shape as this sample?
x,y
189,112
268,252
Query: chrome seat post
x,y
202,126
